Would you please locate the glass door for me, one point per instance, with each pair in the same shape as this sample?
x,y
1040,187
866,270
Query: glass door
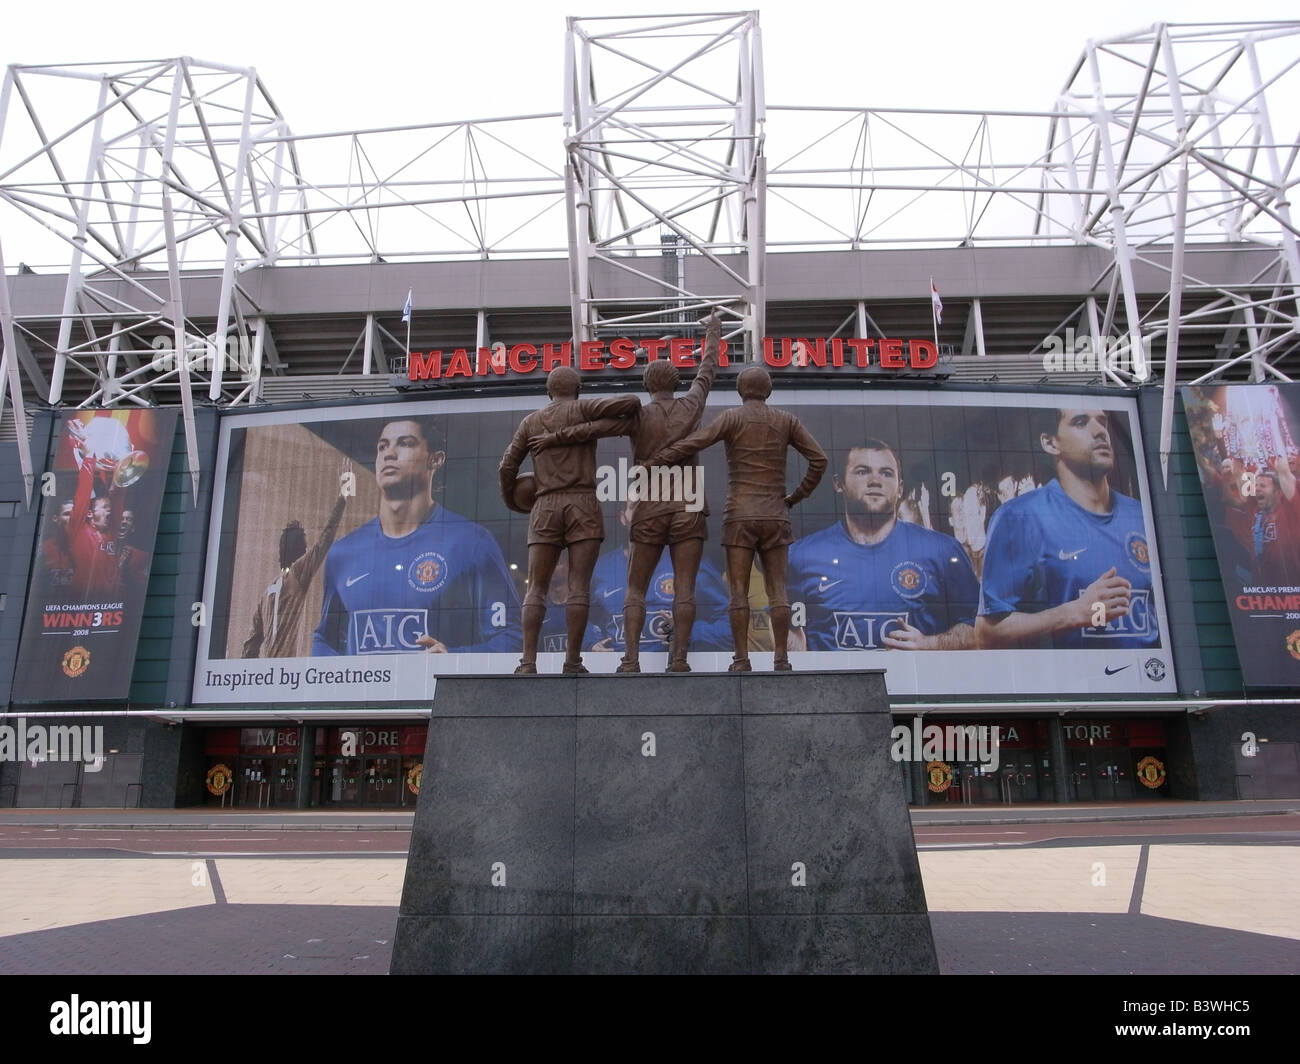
x,y
1113,771
381,781
343,781
1101,774
286,781
254,782
1019,777
1081,779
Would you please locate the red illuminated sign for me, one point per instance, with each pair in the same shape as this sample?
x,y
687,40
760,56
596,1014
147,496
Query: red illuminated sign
x,y
783,352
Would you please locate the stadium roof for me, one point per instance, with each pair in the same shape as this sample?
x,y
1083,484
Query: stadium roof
x,y
1148,208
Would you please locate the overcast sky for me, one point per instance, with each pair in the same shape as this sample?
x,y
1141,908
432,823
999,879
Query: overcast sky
x,y
336,66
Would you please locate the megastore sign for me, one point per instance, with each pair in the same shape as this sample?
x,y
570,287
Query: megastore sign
x,y
968,543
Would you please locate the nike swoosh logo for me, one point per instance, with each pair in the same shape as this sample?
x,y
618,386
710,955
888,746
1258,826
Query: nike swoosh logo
x,y
1070,555
1111,672
615,591
353,579
823,585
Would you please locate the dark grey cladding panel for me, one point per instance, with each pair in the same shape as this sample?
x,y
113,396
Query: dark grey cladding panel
x,y
661,945
435,286
191,555
813,692
692,694
18,534
869,944
660,816
470,945
493,828
520,284
506,696
827,819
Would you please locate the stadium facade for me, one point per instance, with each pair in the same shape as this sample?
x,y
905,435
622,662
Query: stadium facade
x,y
239,323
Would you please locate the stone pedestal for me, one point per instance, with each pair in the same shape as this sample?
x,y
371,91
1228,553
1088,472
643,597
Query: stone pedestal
x,y
662,823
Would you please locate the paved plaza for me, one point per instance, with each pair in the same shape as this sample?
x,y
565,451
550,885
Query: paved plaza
x,y
1111,901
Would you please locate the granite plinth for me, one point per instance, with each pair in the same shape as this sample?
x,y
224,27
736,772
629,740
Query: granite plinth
x,y
651,823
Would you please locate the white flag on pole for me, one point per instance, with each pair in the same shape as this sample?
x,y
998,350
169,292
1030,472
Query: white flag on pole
x,y
936,302
406,307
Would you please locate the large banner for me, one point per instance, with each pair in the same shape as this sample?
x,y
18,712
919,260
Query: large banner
x,y
969,543
101,500
1244,437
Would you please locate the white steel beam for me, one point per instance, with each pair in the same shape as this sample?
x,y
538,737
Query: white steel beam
x,y
9,380
664,131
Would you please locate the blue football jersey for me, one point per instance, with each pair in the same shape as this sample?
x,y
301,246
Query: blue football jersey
x,y
711,631
447,579
1044,549
854,594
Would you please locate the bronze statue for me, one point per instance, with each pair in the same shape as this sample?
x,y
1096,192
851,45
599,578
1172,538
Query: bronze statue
x,y
757,515
564,512
669,509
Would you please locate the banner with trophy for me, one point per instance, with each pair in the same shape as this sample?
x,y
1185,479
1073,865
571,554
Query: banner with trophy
x,y
1245,439
100,499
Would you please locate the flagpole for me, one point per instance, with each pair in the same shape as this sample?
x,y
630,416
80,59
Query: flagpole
x,y
934,317
408,312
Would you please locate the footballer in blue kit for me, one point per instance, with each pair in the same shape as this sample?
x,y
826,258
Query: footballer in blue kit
x,y
1068,565
712,628
418,577
874,582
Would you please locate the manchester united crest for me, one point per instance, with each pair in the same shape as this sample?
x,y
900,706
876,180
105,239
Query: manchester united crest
x,y
907,579
1138,554
76,661
1151,772
1293,644
428,572
938,776
219,779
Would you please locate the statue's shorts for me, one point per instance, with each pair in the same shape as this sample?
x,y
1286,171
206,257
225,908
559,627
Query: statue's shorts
x,y
757,535
669,528
559,518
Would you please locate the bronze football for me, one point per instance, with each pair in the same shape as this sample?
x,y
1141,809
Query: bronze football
x,y
525,492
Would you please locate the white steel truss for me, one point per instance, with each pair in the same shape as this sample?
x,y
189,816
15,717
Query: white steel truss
x,y
664,131
161,186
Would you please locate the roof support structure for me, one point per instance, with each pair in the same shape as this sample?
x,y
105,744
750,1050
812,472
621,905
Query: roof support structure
x,y
128,212
658,166
664,133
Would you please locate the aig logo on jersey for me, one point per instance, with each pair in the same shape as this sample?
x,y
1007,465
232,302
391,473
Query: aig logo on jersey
x,y
428,572
1138,554
908,579
658,628
864,631
387,631
1139,621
